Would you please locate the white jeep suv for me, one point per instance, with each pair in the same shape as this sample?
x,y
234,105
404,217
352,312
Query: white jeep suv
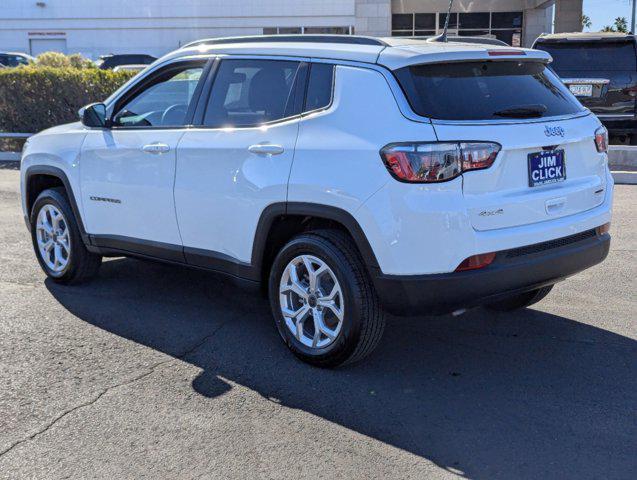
x,y
350,176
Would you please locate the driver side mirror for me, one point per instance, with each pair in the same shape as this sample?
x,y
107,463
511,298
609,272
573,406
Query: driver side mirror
x,y
93,115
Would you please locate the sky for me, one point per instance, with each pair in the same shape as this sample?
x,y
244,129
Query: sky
x,y
604,12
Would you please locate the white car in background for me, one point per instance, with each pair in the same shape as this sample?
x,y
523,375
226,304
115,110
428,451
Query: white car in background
x,y
350,176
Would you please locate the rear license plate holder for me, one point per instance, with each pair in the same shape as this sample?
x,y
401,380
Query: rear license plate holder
x,y
548,166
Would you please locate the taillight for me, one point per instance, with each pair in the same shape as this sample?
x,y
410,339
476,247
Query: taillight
x,y
436,162
476,261
601,139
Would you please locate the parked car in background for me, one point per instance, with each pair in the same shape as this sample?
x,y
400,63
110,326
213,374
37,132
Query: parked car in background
x,y
107,62
13,59
600,69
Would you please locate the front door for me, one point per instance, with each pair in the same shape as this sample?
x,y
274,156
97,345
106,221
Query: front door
x,y
238,161
128,170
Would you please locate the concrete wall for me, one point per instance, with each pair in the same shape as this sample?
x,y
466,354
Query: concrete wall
x,y
373,17
537,21
94,27
568,16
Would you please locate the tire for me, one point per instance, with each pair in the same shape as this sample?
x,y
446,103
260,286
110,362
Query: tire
x,y
522,300
362,319
72,266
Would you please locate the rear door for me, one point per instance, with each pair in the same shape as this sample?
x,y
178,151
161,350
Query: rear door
x,y
602,74
548,166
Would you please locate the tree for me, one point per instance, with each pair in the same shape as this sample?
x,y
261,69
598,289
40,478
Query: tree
x,y
620,25
586,21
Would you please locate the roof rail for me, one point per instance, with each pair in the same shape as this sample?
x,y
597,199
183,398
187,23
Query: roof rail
x,y
322,38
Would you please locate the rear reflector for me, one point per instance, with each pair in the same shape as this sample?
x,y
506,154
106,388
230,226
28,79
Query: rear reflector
x,y
601,230
505,53
476,261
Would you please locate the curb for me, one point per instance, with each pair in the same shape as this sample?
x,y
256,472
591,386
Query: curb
x,y
624,177
622,157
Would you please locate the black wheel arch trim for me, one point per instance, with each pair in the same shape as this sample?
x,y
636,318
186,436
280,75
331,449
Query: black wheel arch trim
x,y
315,210
61,175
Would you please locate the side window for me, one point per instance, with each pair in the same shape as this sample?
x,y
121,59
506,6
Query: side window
x,y
248,93
319,87
13,60
163,102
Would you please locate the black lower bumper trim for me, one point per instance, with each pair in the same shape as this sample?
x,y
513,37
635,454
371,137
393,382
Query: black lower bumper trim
x,y
507,275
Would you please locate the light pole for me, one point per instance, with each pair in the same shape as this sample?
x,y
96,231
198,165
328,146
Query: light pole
x,y
632,24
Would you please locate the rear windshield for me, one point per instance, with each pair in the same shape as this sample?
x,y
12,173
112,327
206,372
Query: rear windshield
x,y
486,90
591,55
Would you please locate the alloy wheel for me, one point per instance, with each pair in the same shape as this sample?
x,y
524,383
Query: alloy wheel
x,y
311,301
53,238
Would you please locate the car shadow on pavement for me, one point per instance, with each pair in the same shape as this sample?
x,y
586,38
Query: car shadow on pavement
x,y
525,395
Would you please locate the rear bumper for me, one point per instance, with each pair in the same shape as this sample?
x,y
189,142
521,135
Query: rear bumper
x,y
513,271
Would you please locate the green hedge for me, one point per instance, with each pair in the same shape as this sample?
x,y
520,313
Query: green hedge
x,y
33,98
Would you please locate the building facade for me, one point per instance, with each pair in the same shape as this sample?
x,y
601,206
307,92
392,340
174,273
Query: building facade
x,y
97,27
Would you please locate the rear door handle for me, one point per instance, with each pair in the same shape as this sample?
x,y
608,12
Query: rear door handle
x,y
266,149
156,148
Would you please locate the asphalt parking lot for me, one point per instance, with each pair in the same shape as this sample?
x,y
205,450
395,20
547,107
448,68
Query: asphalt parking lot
x,y
160,372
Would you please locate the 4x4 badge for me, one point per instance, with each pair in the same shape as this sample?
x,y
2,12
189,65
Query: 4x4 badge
x,y
554,131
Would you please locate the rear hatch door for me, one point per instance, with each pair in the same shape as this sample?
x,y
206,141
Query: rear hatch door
x,y
548,165
505,194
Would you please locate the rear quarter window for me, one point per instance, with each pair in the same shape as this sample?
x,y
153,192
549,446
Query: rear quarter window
x,y
485,90
319,87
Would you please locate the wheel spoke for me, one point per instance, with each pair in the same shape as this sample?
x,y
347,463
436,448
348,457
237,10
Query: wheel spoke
x,y
48,246
293,314
57,254
334,308
64,242
313,274
44,227
295,285
318,321
300,322
330,298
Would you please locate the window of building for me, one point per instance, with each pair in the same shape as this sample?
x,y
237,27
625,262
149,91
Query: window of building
x,y
505,26
474,20
308,30
453,20
413,25
251,92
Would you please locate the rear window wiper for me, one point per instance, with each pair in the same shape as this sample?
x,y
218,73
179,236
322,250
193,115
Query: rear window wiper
x,y
522,111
